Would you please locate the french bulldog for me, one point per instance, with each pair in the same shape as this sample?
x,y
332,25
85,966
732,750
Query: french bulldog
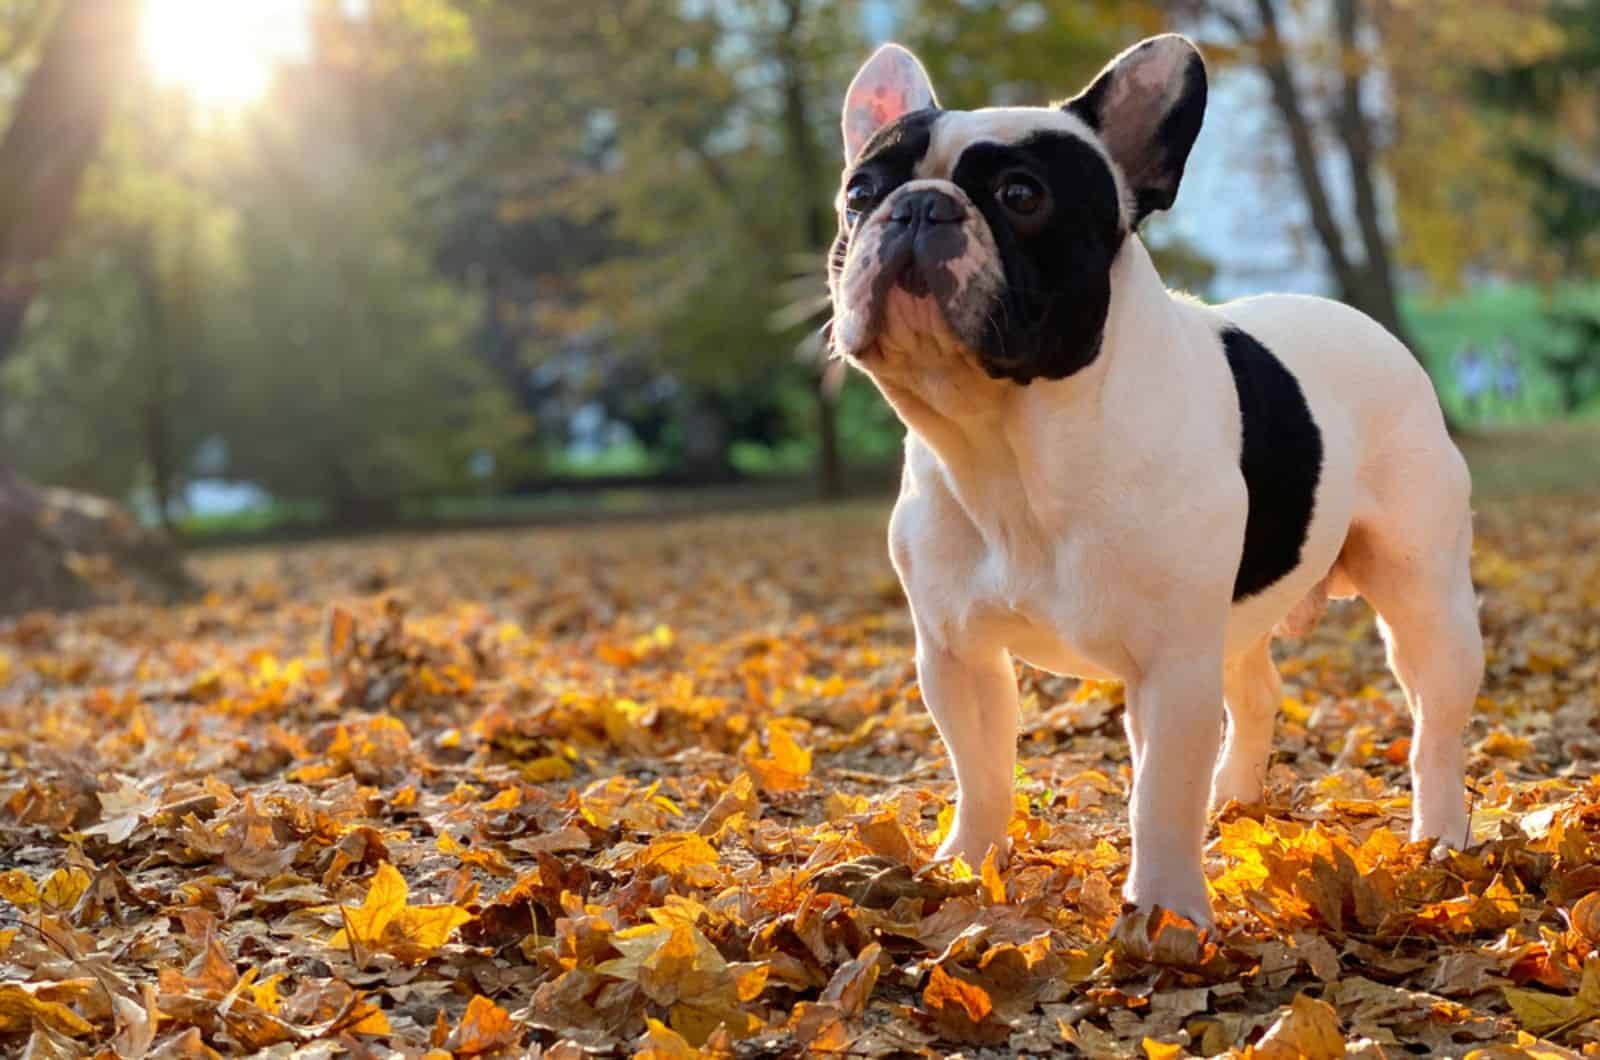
x,y
1106,479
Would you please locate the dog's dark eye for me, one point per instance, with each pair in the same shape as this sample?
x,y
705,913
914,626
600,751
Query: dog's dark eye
x,y
1020,194
859,194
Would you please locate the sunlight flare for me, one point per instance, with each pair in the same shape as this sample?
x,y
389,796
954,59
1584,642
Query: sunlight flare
x,y
223,52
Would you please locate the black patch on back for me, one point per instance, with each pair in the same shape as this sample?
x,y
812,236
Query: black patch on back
x,y
1281,457
1052,312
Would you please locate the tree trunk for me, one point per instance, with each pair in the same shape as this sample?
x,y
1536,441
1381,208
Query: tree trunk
x,y
1369,285
59,549
166,324
706,444
804,157
1378,296
1291,110
830,467
54,135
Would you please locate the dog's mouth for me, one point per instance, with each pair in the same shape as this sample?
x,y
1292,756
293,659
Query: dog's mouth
x,y
920,277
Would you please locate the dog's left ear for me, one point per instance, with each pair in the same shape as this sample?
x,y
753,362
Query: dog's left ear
x,y
890,84
1147,105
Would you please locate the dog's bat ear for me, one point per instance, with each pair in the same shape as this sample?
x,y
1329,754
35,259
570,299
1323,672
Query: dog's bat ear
x,y
1147,105
889,84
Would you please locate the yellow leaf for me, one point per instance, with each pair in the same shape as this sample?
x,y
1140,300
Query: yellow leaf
x,y
673,963
386,897
18,888
265,994
1154,1050
367,1018
384,921
786,764
994,887
684,855
546,768
341,634
420,930
946,991
484,1028
21,1011
507,799
64,887
661,1042
1540,1012
1308,1030
1585,916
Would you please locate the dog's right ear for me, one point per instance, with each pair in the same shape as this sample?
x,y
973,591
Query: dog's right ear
x,y
888,85
1147,106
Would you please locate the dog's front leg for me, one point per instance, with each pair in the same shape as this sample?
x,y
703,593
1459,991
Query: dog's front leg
x,y
973,699
1175,720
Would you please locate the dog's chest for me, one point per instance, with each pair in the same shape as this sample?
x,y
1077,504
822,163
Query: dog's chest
x,y
1048,621
1040,599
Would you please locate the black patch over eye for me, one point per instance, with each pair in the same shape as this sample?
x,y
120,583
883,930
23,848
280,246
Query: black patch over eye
x,y
859,195
1020,194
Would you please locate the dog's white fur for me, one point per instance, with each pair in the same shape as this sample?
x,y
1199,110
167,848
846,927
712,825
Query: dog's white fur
x,y
1093,526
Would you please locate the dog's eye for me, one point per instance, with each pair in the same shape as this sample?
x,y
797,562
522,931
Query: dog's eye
x,y
1020,194
859,194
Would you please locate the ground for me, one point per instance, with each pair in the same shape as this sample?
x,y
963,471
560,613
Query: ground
x,y
666,788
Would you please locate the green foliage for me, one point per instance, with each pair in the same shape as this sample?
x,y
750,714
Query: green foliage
x,y
352,380
110,388
354,287
994,52
1525,317
1547,105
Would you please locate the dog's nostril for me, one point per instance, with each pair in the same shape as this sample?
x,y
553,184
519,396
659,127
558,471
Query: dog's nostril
x,y
942,209
928,207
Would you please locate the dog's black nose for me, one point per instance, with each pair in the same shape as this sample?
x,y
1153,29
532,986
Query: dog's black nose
x,y
927,206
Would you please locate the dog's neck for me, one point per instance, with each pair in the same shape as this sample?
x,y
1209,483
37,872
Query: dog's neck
x,y
1013,453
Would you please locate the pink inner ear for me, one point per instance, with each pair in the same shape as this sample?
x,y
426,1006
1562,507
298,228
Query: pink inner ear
x,y
887,105
891,84
870,112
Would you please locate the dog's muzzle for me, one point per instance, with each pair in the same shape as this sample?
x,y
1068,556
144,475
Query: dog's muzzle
x,y
921,269
923,234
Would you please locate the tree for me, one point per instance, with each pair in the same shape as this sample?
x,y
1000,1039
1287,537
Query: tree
x,y
349,382
84,63
691,137
1362,266
1383,84
111,383
1573,361
1545,101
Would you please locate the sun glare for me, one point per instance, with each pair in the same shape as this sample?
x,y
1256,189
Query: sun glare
x,y
222,51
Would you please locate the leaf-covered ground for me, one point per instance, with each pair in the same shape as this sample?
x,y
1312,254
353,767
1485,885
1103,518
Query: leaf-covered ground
x,y
668,790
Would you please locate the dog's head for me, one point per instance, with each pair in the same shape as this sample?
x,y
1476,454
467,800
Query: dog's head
x,y
988,236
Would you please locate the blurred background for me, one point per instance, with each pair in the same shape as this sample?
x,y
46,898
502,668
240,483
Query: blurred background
x,y
282,267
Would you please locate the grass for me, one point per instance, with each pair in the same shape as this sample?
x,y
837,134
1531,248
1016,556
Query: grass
x,y
1548,459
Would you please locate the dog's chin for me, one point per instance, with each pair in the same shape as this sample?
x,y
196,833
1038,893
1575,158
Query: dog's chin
x,y
906,333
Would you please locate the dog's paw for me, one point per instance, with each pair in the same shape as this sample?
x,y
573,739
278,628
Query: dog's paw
x,y
1189,901
1235,783
1454,833
974,849
1161,936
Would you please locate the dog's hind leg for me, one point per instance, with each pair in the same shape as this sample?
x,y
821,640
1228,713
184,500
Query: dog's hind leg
x,y
1420,583
1251,691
